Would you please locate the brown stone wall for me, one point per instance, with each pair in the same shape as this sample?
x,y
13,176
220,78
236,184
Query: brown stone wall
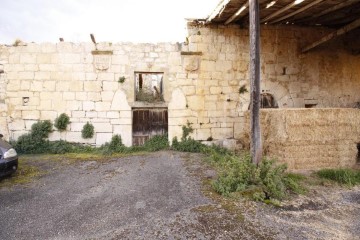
x,y
310,138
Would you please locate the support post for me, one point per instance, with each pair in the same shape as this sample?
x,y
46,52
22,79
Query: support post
x,y
255,145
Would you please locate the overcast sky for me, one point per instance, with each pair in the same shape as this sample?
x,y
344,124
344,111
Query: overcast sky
x,y
110,20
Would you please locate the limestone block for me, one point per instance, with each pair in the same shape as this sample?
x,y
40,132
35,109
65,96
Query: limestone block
x,y
207,65
28,58
81,96
174,59
73,105
31,67
76,126
36,86
175,131
77,138
48,115
63,86
29,123
93,86
94,96
77,114
88,106
102,138
34,114
119,101
103,127
222,133
202,134
69,96
102,117
16,134
188,90
49,85
112,114
91,114
125,114
26,75
25,84
121,121
45,105
215,90
183,113
110,86
191,63
196,102
230,144
178,100
223,66
125,131
70,58
91,76
120,59
102,106
43,58
17,125
106,76
239,130
107,96
48,47
13,85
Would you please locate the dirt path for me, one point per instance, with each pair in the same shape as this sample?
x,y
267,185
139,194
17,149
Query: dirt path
x,y
163,195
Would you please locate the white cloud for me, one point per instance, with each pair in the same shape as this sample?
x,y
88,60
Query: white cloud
x,y
109,20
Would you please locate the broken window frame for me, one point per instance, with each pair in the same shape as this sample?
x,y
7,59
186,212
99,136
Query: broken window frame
x,y
149,92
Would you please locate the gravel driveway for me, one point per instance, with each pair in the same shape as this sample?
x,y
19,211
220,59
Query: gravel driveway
x,y
161,196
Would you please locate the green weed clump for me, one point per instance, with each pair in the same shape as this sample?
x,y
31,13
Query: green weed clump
x,y
114,146
238,174
35,141
87,131
156,143
343,176
62,122
187,144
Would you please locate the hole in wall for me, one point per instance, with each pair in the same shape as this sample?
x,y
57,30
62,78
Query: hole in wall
x,y
268,101
310,105
358,153
25,101
284,71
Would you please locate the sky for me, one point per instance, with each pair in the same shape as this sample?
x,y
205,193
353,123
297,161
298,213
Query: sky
x,y
110,20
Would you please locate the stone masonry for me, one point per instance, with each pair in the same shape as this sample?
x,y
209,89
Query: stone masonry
x,y
202,77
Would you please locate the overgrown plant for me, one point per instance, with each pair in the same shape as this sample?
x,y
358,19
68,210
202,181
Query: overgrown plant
x,y
36,140
187,144
62,122
343,176
267,181
87,131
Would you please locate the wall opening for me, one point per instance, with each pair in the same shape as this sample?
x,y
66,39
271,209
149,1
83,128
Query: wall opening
x,y
149,86
268,101
358,153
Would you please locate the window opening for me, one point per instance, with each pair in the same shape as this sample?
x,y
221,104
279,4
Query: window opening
x,y
149,86
268,101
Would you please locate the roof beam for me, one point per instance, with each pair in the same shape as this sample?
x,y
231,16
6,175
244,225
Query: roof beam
x,y
218,10
297,11
280,11
339,32
336,7
237,13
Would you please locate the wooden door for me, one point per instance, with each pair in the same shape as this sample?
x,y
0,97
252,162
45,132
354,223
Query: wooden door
x,y
149,122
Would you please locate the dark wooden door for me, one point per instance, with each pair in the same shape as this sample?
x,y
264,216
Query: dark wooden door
x,y
148,122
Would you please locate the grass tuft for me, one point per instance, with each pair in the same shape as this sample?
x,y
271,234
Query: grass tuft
x,y
343,176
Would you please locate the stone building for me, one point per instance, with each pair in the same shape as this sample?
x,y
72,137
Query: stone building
x,y
138,90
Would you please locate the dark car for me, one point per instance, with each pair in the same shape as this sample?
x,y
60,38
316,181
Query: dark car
x,y
8,158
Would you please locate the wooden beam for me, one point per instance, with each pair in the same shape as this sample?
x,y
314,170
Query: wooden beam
x,y
218,10
237,13
339,32
280,11
254,19
297,11
334,8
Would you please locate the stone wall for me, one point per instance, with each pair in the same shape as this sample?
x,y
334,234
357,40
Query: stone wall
x,y
202,77
309,139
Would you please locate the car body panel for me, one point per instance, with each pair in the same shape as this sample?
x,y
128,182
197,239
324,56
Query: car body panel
x,y
9,165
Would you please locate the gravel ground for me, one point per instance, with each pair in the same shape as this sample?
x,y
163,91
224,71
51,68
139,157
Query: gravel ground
x,y
163,195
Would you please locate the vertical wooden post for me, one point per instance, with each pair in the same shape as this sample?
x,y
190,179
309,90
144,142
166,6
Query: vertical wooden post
x,y
255,145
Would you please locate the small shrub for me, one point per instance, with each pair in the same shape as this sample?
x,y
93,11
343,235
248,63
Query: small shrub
x,y
114,146
62,122
41,129
188,145
239,174
87,131
157,143
60,147
121,79
343,176
30,143
243,89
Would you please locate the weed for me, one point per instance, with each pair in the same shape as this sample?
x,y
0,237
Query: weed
x,y
243,89
121,79
157,143
62,122
87,131
41,129
343,176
